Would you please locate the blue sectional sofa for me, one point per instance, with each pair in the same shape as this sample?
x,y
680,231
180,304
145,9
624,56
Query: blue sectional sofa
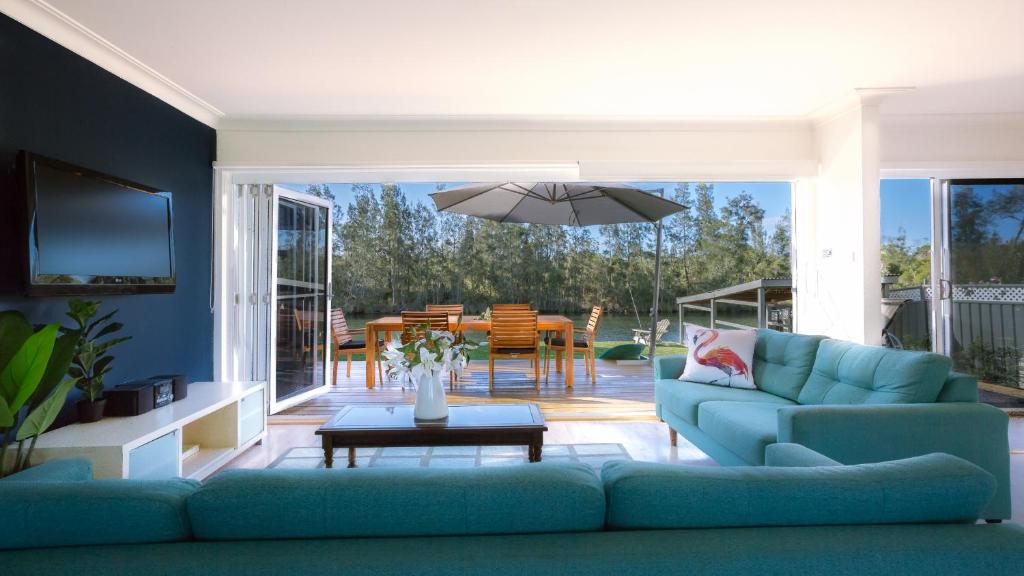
x,y
849,402
803,514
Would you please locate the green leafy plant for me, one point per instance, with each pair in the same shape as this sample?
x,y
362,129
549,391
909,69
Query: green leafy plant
x,y
33,364
91,361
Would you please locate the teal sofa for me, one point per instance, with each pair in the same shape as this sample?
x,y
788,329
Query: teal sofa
x,y
802,514
852,403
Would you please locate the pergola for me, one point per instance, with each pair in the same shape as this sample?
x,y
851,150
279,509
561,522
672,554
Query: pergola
x,y
763,295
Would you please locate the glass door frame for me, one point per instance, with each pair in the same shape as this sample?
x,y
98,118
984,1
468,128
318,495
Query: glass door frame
x,y
270,299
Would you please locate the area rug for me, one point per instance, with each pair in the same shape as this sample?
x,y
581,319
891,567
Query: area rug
x,y
593,455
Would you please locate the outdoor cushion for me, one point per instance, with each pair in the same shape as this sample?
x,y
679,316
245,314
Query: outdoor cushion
x,y
930,488
783,361
744,428
352,344
515,350
561,342
368,502
95,512
722,357
683,398
848,373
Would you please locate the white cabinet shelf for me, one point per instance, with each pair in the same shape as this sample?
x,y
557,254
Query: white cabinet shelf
x,y
222,418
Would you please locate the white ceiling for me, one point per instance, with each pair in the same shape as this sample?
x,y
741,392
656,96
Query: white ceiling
x,y
534,58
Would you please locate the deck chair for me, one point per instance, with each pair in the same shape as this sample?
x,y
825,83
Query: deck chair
x,y
343,341
641,336
450,309
583,343
514,335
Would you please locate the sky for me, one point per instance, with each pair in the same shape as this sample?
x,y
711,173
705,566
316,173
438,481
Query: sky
x,y
774,197
906,204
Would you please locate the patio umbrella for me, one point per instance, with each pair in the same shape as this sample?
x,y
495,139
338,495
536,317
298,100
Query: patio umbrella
x,y
565,203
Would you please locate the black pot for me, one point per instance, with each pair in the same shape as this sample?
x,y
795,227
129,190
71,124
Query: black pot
x,y
91,411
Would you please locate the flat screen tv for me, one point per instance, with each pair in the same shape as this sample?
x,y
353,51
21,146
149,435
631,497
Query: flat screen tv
x,y
92,233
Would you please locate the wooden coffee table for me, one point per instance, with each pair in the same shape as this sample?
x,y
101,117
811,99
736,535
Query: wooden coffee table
x,y
378,425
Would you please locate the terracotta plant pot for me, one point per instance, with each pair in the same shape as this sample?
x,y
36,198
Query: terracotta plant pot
x,y
91,411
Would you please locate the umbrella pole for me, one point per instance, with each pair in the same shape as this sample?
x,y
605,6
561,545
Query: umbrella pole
x,y
652,340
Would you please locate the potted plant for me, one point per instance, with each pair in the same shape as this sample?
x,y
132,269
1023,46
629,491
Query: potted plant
x,y
91,361
33,364
421,360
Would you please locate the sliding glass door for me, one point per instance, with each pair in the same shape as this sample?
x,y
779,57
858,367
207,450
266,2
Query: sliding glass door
x,y
299,318
981,290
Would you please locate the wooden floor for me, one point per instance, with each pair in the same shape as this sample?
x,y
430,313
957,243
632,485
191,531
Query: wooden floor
x,y
622,392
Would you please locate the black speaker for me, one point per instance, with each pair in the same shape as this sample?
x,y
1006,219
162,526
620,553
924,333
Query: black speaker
x,y
129,399
178,381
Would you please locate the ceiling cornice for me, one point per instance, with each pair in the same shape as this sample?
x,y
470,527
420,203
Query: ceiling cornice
x,y
64,30
500,123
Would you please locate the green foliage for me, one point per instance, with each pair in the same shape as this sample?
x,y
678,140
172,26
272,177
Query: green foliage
x,y
91,362
45,413
993,364
391,255
33,365
22,374
911,263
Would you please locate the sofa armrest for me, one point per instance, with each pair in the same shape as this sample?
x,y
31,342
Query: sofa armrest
x,y
794,456
669,367
873,433
64,470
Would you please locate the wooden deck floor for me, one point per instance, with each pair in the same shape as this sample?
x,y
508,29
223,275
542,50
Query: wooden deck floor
x,y
622,392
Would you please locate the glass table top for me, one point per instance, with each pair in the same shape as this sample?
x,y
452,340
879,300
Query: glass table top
x,y
401,416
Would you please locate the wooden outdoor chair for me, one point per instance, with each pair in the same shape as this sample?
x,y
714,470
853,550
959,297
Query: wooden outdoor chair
x,y
585,344
413,321
496,307
514,335
644,336
343,342
450,309
412,328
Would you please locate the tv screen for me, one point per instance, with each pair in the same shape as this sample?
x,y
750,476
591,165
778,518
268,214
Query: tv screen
x,y
89,232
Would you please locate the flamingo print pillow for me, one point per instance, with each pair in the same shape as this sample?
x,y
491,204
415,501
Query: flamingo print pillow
x,y
720,357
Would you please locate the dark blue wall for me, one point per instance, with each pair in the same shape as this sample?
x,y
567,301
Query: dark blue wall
x,y
58,104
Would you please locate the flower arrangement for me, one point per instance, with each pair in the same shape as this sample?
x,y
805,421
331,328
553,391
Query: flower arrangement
x,y
427,353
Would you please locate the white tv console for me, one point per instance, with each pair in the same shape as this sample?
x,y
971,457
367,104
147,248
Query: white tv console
x,y
222,419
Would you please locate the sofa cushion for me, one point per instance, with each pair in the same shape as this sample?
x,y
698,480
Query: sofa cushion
x,y
959,387
744,428
930,488
682,397
848,373
90,513
271,504
722,357
783,361
63,470
789,454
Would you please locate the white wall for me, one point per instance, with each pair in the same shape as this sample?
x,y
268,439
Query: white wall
x,y
603,150
953,145
837,231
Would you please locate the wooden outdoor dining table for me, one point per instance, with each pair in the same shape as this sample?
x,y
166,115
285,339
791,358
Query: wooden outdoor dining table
x,y
388,325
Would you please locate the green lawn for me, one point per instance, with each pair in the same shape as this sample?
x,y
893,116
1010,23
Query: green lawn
x,y
664,349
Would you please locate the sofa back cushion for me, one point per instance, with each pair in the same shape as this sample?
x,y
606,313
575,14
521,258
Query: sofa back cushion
x,y
90,513
372,502
783,361
848,373
959,387
931,488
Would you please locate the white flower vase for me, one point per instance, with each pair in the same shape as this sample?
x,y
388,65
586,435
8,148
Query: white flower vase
x,y
431,403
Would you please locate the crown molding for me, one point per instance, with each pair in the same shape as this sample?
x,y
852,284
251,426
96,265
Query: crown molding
x,y
64,30
853,100
497,123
